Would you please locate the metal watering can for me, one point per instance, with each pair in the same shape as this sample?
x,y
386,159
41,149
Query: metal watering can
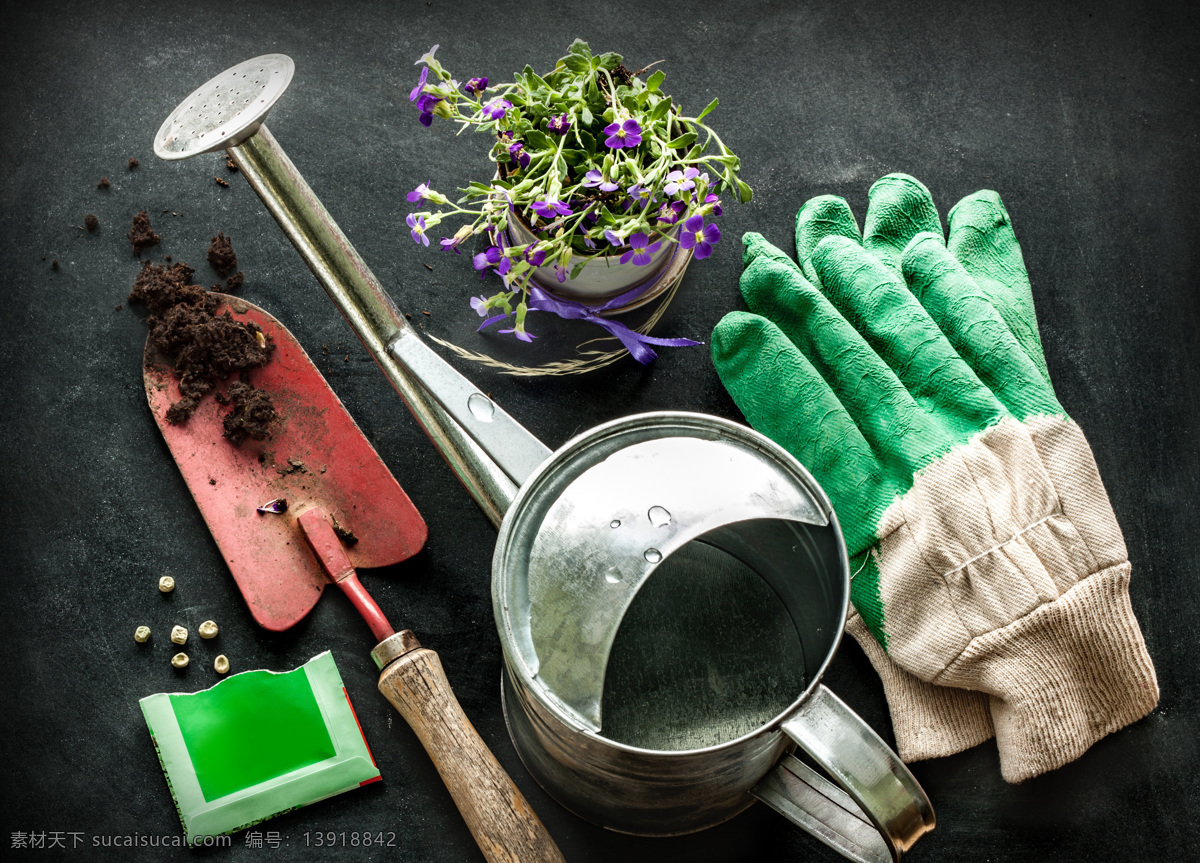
x,y
739,537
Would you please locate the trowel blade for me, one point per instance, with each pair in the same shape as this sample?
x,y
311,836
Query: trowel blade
x,y
315,455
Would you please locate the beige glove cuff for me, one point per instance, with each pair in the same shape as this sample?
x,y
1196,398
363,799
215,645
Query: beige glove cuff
x,y
929,721
1068,674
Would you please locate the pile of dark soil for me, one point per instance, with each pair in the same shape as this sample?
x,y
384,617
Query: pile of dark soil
x,y
205,348
223,259
252,414
141,235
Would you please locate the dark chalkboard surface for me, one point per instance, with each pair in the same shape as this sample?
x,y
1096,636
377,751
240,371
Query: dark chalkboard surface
x,y
1082,116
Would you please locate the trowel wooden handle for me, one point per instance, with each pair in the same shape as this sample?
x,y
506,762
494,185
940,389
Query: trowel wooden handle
x,y
501,820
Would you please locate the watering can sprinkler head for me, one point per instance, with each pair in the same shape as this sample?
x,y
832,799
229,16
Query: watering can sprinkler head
x,y
226,110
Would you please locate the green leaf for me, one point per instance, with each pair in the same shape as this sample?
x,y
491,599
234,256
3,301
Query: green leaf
x,y
587,139
610,61
683,141
694,153
581,48
745,194
577,64
577,269
660,110
711,107
538,140
560,165
628,100
574,157
655,80
585,116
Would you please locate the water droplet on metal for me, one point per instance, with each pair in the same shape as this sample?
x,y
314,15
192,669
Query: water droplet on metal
x,y
615,523
658,516
481,407
653,555
612,579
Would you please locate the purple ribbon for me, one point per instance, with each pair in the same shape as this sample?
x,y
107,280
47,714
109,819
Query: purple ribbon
x,y
636,343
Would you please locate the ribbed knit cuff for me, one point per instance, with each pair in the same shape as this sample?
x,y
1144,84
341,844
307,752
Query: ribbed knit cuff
x,y
929,721
1065,675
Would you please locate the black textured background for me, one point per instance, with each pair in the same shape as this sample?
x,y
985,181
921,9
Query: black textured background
x,y
1083,117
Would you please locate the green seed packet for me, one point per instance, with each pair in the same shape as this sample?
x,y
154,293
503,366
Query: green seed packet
x,y
258,744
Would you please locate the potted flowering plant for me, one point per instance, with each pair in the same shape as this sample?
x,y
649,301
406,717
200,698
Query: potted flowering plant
x,y
603,189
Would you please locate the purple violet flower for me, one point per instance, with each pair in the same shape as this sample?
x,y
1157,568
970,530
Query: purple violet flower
x,y
702,236
641,195
639,252
670,212
613,239
427,56
519,332
426,104
716,204
627,134
494,110
422,191
486,259
517,155
559,124
560,272
681,181
480,305
417,223
449,243
535,258
593,179
476,86
416,91
548,209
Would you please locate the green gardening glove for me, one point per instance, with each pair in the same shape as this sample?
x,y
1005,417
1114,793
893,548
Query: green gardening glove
x,y
985,552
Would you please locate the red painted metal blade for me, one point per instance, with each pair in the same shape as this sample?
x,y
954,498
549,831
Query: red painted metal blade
x,y
315,456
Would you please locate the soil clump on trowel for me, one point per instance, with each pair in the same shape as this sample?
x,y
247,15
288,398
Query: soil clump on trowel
x,y
205,348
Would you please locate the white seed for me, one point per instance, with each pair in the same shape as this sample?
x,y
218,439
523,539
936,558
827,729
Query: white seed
x,y
180,660
208,629
221,664
142,634
179,635
166,584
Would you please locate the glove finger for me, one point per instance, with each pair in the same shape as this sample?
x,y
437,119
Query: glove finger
x,y
900,208
821,217
881,308
982,238
894,425
975,328
784,397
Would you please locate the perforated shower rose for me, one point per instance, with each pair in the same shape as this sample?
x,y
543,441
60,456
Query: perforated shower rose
x,y
593,159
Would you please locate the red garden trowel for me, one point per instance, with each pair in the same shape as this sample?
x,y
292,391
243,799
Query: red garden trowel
x,y
344,510
316,456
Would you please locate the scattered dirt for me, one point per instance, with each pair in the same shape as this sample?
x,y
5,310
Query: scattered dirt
x,y
91,222
344,534
141,235
221,255
252,415
54,264
294,466
205,348
133,163
234,282
230,164
103,184
221,182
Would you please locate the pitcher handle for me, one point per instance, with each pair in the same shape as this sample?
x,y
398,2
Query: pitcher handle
x,y
878,812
